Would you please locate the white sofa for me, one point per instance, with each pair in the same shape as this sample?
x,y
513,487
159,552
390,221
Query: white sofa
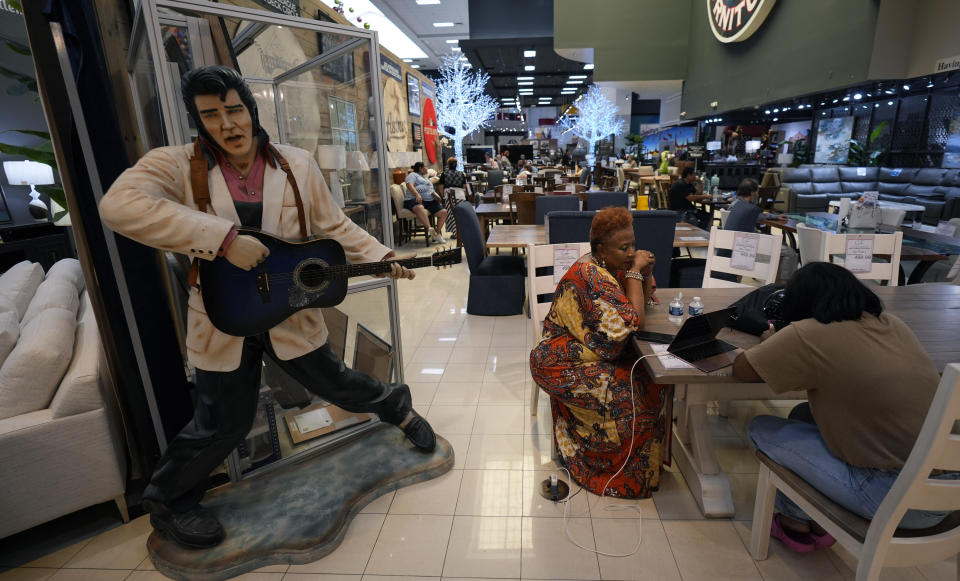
x,y
60,449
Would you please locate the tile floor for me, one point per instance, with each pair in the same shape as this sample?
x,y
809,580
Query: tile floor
x,y
485,519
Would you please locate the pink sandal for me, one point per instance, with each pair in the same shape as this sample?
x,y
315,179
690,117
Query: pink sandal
x,y
822,541
796,542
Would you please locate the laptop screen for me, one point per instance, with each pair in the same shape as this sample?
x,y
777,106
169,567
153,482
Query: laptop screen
x,y
701,328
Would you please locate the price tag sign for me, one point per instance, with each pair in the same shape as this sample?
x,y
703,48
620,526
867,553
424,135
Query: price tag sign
x,y
571,187
859,257
870,198
861,171
744,252
507,189
563,259
557,179
538,190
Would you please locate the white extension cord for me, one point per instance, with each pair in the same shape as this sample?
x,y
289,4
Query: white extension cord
x,y
566,502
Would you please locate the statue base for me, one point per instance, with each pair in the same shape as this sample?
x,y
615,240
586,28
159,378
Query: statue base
x,y
299,513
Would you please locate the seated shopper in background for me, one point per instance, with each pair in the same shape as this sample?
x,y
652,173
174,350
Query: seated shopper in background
x,y
869,384
525,174
418,198
744,211
683,193
744,216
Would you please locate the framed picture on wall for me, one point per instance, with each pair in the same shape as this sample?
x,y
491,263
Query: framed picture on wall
x,y
5,217
833,140
417,136
413,95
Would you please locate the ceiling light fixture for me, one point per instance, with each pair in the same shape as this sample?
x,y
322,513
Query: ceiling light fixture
x,y
529,68
906,87
455,48
578,76
588,67
529,53
524,78
426,2
523,83
453,41
414,66
574,82
442,24
408,60
857,96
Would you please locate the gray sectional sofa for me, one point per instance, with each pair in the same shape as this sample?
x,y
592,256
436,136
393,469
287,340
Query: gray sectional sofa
x,y
813,188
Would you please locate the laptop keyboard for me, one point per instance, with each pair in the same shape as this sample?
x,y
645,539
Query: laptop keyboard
x,y
698,352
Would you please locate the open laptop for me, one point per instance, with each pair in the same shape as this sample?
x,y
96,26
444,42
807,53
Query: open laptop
x,y
697,343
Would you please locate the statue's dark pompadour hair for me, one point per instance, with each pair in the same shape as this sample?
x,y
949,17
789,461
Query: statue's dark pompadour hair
x,y
216,80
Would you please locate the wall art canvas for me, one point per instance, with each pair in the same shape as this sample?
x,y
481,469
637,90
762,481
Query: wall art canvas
x,y
413,95
951,153
833,140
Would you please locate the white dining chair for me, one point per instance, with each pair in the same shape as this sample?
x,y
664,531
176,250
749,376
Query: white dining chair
x,y
810,243
878,542
768,248
881,270
540,288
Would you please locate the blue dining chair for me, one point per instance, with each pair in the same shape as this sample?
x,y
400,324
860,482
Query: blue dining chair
x,y
496,282
554,204
600,200
653,230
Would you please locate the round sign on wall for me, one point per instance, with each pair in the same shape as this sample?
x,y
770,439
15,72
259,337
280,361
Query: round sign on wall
x,y
736,20
430,130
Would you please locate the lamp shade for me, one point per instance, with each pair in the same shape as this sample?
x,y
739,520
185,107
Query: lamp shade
x,y
28,173
356,161
331,156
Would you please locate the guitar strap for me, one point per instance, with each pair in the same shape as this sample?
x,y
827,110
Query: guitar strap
x,y
201,194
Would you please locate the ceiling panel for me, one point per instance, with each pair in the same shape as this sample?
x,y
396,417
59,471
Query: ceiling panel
x,y
501,58
504,62
417,22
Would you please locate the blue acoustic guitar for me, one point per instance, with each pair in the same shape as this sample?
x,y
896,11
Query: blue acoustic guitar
x,y
295,276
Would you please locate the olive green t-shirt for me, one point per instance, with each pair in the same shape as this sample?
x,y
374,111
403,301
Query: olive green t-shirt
x,y
869,383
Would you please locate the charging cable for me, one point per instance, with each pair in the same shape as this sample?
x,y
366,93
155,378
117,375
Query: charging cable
x,y
566,502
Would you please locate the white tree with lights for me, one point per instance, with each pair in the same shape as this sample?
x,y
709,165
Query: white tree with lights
x,y
462,106
596,119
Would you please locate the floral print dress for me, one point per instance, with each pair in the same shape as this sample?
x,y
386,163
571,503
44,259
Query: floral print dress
x,y
583,363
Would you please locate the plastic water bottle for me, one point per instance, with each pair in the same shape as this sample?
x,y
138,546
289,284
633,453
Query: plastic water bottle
x,y
676,309
696,307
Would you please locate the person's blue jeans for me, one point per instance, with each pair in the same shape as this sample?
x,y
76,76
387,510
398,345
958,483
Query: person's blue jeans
x,y
796,443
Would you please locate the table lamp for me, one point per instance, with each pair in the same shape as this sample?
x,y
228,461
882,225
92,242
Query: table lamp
x,y
30,173
357,161
333,158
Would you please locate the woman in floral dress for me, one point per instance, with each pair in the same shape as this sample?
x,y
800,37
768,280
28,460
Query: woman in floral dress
x,y
584,362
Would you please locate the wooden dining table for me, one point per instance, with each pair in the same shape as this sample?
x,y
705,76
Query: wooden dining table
x,y
519,236
932,311
491,211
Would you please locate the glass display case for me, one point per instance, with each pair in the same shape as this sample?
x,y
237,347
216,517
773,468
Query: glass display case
x,y
317,87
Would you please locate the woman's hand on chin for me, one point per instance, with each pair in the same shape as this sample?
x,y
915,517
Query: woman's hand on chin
x,y
643,262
